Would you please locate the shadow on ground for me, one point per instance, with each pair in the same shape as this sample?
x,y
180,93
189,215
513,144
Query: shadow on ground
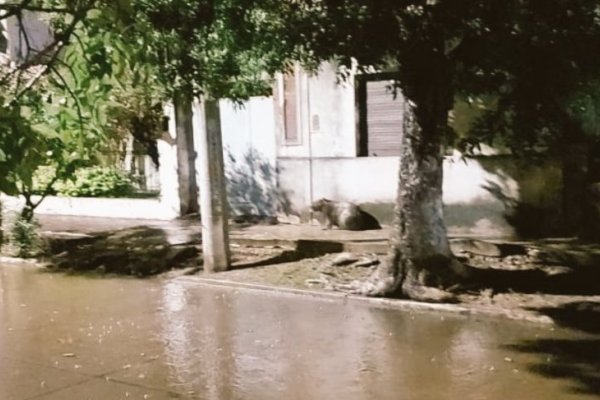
x,y
580,315
566,267
139,251
147,250
303,249
575,360
567,282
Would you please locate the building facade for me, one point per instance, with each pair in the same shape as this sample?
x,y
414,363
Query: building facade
x,y
319,136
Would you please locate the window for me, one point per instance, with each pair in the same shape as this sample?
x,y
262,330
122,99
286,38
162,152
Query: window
x,y
380,116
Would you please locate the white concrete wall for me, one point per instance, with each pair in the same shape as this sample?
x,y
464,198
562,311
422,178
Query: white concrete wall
x,y
98,207
167,172
465,179
331,115
35,34
249,145
360,180
251,125
323,162
375,179
469,207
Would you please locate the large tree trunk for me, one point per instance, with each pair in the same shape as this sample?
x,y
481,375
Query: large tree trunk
x,y
213,199
420,260
186,156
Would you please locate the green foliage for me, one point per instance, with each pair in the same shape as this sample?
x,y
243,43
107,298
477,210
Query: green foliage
x,y
36,114
45,126
24,237
583,106
96,182
77,112
543,72
21,149
85,182
44,181
196,47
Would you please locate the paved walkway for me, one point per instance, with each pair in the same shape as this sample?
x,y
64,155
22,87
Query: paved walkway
x,y
374,240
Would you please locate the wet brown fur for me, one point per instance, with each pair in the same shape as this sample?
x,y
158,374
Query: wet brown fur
x,y
345,215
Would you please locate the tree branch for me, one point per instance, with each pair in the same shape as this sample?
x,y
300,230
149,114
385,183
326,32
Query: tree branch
x,y
73,95
49,54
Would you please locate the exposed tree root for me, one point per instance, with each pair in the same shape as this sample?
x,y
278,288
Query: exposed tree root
x,y
428,294
383,283
383,288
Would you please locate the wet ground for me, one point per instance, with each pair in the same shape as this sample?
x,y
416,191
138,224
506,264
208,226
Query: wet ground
x,y
76,337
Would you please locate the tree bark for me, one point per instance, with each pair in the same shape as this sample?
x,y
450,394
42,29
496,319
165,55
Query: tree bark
x,y
1,225
420,261
574,179
186,156
213,199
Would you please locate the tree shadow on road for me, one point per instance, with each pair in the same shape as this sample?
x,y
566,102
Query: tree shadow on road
x,y
576,360
569,282
581,315
139,251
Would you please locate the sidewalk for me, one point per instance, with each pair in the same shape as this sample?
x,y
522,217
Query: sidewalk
x,y
359,241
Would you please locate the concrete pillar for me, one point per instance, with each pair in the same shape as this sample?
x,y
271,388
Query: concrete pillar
x,y
167,172
213,199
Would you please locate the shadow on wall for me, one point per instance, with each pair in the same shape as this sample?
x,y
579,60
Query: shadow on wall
x,y
537,210
383,211
252,188
479,217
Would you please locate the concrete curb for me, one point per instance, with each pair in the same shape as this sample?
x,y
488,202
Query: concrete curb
x,y
379,302
330,245
25,261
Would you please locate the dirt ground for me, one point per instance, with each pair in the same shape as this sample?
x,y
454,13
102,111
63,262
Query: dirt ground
x,y
558,279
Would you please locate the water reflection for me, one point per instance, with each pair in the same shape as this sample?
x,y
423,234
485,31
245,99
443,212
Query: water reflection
x,y
197,346
215,343
241,346
177,338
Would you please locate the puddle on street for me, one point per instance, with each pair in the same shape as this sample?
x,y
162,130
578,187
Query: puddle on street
x,y
175,339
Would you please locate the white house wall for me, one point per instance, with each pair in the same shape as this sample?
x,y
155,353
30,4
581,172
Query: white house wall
x,y
331,115
249,145
167,172
249,125
326,117
323,162
472,206
358,180
38,35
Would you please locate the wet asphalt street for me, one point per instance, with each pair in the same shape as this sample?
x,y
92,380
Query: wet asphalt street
x,y
74,337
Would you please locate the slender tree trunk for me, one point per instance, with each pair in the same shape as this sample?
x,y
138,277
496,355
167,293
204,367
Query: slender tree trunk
x,y
575,178
589,228
213,198
186,156
420,259
1,225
